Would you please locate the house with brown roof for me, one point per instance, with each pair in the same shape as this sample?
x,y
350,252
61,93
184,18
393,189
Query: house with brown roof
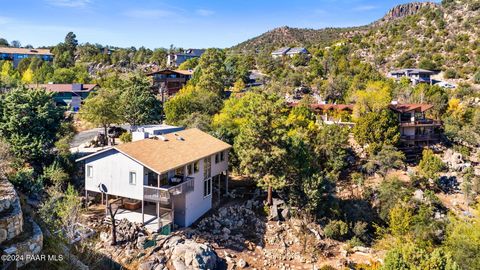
x,y
70,95
169,81
165,181
416,130
17,54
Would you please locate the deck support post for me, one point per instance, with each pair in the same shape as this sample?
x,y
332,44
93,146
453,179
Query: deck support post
x,y
158,215
226,182
106,204
219,188
86,199
143,216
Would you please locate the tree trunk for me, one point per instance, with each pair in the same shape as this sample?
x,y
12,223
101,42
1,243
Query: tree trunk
x,y
105,138
269,196
114,226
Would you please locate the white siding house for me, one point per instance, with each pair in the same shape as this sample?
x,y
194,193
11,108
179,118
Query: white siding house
x,y
172,174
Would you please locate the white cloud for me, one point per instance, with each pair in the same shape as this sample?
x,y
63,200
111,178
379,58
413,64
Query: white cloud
x,y
365,8
205,12
70,3
149,13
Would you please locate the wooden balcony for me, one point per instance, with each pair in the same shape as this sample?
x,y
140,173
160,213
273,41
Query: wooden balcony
x,y
426,137
420,123
163,194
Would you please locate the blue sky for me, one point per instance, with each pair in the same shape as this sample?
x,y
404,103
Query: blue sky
x,y
183,23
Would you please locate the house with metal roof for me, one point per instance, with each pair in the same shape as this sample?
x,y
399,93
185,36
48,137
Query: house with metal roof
x,y
17,54
297,50
176,59
280,52
165,181
415,75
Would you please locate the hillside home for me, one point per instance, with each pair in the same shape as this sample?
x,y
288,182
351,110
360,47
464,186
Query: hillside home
x,y
17,54
297,50
287,51
415,128
161,181
176,59
169,81
280,52
71,95
415,75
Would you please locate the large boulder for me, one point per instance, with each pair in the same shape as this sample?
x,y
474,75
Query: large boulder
x,y
192,255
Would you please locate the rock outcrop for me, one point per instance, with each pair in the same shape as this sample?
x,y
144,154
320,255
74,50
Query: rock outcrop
x,y
404,10
16,237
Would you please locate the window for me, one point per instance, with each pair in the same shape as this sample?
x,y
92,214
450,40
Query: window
x,y
190,169
217,158
133,178
222,156
207,187
89,171
207,168
196,167
180,171
163,179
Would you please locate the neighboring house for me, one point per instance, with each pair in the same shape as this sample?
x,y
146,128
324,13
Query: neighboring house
x,y
71,95
147,131
414,74
287,51
280,52
17,54
415,129
176,59
297,50
169,81
161,181
340,114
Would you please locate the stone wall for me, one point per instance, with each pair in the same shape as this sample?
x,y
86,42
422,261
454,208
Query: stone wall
x,y
29,247
11,216
14,237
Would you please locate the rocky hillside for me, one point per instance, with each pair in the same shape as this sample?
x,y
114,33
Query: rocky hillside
x,y
405,10
287,36
439,37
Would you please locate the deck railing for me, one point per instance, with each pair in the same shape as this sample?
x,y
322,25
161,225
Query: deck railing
x,y
162,194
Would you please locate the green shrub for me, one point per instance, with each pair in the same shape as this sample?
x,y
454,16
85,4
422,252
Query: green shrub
x,y
450,74
25,180
476,78
126,137
336,229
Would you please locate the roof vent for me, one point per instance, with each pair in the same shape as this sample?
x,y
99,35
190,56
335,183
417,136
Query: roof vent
x,y
180,139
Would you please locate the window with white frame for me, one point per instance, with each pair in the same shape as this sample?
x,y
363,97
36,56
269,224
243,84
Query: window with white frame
x,y
89,171
207,187
207,168
196,167
132,178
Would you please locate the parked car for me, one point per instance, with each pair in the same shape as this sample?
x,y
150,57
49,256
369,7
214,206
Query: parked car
x,y
445,85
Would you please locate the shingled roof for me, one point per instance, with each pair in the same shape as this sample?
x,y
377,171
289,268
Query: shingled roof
x,y
64,87
407,107
11,50
172,151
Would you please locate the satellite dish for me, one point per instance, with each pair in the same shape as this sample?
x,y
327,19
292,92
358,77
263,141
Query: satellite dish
x,y
102,188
